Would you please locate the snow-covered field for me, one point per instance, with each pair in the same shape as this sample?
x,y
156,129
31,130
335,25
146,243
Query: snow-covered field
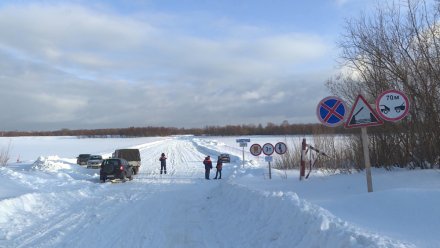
x,y
46,200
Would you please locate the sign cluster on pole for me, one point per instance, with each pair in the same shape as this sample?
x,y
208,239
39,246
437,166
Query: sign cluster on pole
x,y
268,149
391,105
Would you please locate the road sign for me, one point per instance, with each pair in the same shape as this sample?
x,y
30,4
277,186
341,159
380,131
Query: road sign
x,y
243,144
392,105
268,159
362,115
280,148
331,111
268,149
256,149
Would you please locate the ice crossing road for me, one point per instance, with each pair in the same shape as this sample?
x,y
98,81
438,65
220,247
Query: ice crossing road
x,y
57,203
184,159
153,210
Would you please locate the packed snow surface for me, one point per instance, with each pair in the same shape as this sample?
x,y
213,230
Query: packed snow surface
x,y
47,200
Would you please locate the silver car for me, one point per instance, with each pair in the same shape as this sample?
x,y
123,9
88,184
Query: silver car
x,y
94,162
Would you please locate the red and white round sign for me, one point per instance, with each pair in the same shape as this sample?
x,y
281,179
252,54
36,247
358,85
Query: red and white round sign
x,y
268,149
392,105
256,149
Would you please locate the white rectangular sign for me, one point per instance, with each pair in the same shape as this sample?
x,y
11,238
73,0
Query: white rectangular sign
x,y
268,158
243,144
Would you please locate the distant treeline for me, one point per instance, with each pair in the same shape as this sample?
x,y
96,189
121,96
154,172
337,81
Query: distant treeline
x,y
230,130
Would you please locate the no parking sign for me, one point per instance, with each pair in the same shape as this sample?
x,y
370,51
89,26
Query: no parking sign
x,y
331,111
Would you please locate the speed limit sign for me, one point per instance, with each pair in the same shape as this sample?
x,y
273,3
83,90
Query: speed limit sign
x,y
268,149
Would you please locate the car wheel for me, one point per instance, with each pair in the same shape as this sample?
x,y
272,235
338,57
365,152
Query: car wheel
x,y
124,176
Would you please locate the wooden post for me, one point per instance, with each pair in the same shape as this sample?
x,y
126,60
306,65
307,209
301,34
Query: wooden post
x,y
367,158
302,172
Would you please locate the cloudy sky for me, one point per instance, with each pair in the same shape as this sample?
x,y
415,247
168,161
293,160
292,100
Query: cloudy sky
x,y
84,64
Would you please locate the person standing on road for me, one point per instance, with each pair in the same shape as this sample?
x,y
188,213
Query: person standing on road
x,y
208,166
219,168
163,163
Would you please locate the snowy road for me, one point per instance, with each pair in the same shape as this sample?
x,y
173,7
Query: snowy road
x,y
152,210
64,205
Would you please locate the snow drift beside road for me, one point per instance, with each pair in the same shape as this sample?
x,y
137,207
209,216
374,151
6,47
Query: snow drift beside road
x,y
53,202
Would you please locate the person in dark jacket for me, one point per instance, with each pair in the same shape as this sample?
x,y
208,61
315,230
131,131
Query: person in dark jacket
x,y
163,163
219,168
208,166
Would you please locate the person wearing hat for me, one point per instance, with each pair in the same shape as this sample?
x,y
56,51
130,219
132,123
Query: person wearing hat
x,y
163,163
208,166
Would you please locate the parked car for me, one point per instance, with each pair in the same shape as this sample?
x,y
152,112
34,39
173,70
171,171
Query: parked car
x,y
116,168
225,158
94,161
131,155
82,159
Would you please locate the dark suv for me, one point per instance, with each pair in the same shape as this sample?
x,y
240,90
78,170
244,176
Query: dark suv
x,y
116,168
82,159
225,158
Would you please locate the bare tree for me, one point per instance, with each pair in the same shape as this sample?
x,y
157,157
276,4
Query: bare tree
x,y
397,47
4,155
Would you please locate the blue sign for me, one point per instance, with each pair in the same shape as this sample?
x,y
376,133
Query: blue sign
x,y
331,111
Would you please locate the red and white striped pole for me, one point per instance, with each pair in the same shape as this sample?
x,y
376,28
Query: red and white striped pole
x,y
302,172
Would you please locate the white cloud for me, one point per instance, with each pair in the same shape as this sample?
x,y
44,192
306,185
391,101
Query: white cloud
x,y
341,2
77,67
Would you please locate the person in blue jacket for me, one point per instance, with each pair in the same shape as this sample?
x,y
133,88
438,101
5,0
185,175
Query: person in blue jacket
x,y
208,166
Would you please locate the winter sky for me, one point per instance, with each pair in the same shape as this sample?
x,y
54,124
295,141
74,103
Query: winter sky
x,y
84,64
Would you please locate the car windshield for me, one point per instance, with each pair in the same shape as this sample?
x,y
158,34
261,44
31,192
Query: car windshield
x,y
96,157
84,155
112,162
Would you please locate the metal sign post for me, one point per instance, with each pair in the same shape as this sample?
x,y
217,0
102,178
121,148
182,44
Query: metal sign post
x,y
268,150
243,144
269,159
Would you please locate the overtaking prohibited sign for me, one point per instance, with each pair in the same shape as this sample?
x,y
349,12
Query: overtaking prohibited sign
x,y
392,105
331,111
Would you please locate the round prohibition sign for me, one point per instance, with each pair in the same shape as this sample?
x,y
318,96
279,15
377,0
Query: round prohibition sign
x,y
256,149
268,149
392,105
331,111
280,148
